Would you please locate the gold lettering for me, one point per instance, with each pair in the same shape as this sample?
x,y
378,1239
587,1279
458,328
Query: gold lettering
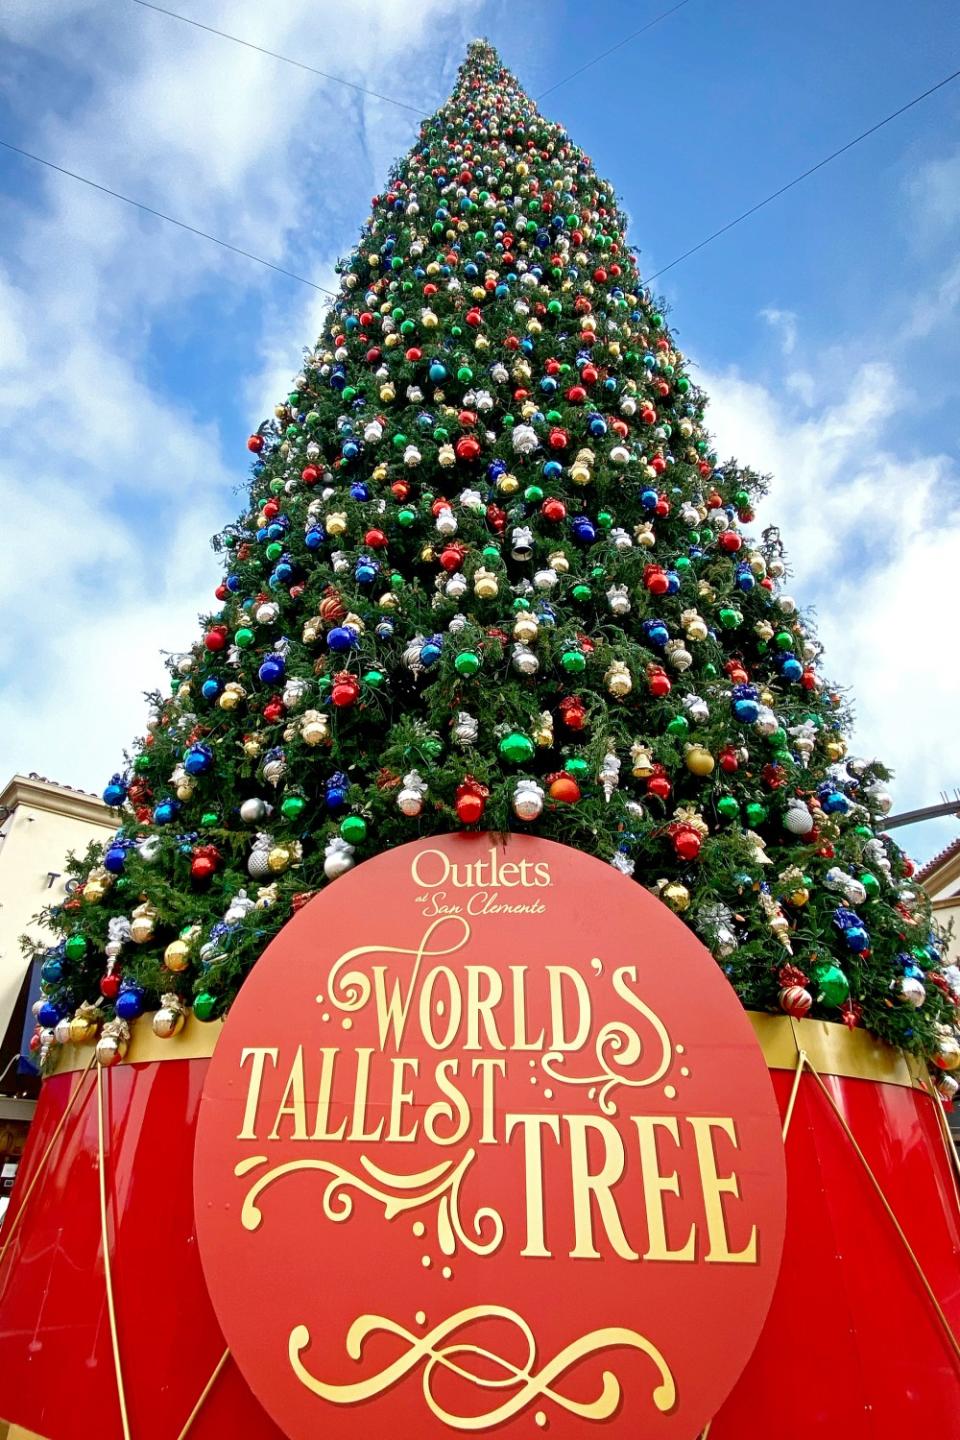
x,y
714,1186
559,1039
400,1097
487,1068
259,1053
656,1185
393,1008
360,1090
454,1007
533,1127
415,868
294,1102
481,1007
441,1111
520,1041
599,1184
321,1131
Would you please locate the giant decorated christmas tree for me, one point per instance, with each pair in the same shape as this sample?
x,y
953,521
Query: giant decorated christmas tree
x,y
492,574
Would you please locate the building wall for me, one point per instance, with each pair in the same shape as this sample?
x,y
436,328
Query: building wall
x,y
45,822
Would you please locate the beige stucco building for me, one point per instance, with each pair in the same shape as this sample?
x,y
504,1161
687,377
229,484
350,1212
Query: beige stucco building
x,y
40,823
941,880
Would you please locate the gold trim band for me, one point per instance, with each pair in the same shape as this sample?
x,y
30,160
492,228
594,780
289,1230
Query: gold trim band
x,y
833,1049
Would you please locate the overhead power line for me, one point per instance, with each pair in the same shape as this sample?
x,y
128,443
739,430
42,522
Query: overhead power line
x,y
603,55
806,173
262,50
170,220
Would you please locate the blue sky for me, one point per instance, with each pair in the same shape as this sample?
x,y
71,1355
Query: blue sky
x,y
134,359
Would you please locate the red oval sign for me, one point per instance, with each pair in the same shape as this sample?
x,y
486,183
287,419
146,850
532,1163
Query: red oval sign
x,y
487,1140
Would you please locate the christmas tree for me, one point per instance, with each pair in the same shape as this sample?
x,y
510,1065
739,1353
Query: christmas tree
x,y
492,574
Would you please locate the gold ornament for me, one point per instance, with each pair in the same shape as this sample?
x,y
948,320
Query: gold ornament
x,y
176,957
84,1025
642,760
232,694
618,680
675,895
835,748
112,1045
336,523
97,884
279,859
485,584
526,628
168,1020
558,562
698,760
314,727
144,923
543,730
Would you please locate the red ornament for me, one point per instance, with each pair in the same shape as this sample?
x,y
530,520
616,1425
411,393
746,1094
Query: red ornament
x,y
553,509
564,789
573,712
345,689
795,1000
470,800
204,863
655,579
467,447
399,489
730,540
273,711
375,539
658,681
309,474
216,637
110,986
474,318
658,785
452,556
687,841
414,354
255,444
576,394
736,672
558,439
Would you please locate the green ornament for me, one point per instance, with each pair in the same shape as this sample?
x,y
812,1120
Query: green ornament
x,y
833,984
353,829
581,593
576,766
491,552
204,1005
399,440
406,516
710,670
141,763
75,948
465,374
656,320
728,807
555,308
756,813
293,807
243,637
783,640
573,661
604,519
349,393
373,678
396,581
208,818
432,747
516,747
533,494
679,725
467,662
682,562
871,884
274,550
730,618
276,486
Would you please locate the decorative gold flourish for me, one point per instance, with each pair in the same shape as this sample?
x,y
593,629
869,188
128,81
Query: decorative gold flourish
x,y
617,1044
349,990
526,1383
441,1184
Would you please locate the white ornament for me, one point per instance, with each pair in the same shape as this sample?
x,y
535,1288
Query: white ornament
x,y
338,858
410,797
527,800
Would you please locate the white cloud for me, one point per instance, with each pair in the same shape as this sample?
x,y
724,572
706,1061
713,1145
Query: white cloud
x,y
117,485
873,540
785,323
934,193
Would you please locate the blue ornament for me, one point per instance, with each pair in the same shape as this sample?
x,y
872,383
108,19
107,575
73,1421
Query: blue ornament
x,y
833,802
359,491
336,790
431,650
129,1001
48,1014
385,629
342,638
745,580
211,688
197,759
115,792
583,530
437,371
165,812
673,582
791,669
656,632
115,858
597,425
552,470
314,538
649,499
366,570
51,971
272,669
